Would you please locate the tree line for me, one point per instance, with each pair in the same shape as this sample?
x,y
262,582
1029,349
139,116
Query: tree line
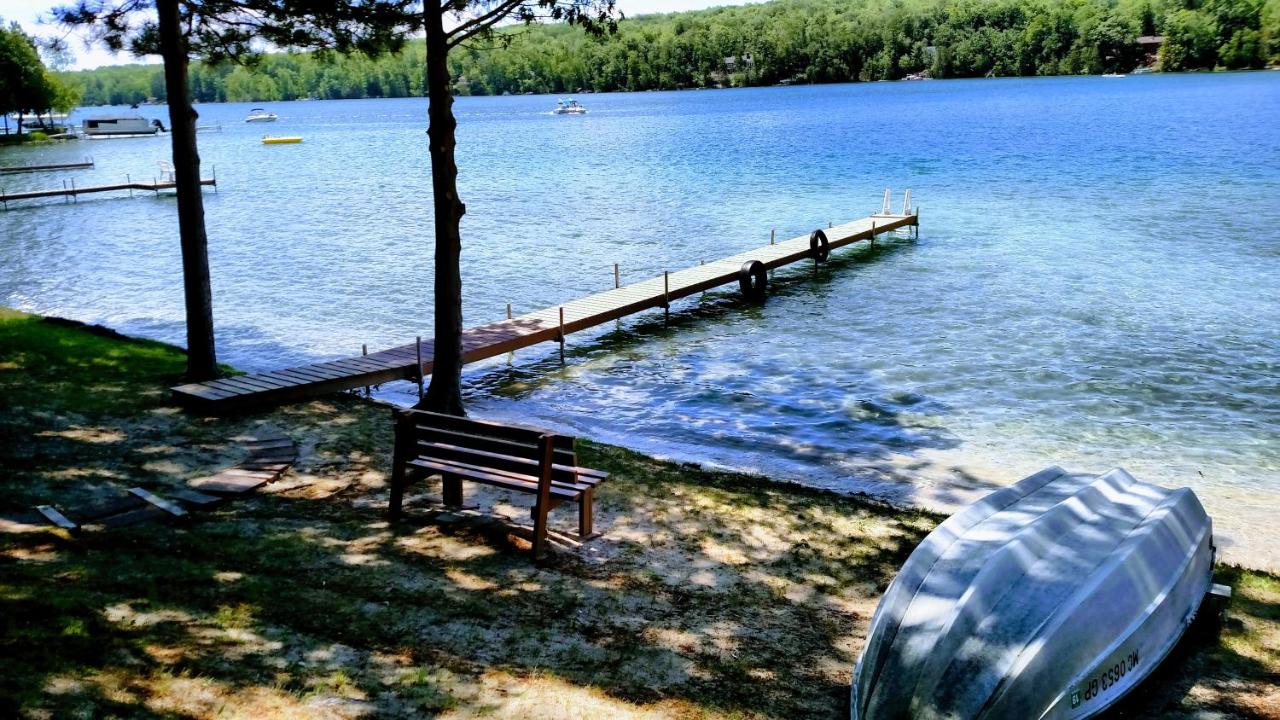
x,y
785,41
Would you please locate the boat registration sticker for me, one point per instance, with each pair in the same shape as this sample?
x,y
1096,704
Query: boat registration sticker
x,y
1105,680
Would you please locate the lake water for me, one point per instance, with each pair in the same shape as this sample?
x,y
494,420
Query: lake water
x,y
1096,282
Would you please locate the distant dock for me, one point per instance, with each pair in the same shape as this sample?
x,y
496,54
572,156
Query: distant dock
x,y
19,169
71,192
412,362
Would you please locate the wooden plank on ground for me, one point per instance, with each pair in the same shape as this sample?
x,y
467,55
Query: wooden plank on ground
x,y
52,515
159,502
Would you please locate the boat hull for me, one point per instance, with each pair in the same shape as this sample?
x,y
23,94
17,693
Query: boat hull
x,y
1052,598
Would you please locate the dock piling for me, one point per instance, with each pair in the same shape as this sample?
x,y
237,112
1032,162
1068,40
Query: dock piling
x,y
617,277
666,297
561,334
129,181
509,316
773,235
417,345
364,352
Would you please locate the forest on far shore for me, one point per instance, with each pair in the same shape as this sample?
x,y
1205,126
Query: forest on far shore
x,y
780,42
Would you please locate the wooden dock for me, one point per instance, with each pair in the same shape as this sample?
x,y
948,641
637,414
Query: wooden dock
x,y
551,324
16,169
71,191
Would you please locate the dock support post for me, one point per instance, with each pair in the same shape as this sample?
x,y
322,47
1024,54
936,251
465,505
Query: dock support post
x,y
917,225
666,297
418,348
617,277
508,311
873,234
561,334
773,235
364,351
129,181
73,191
215,179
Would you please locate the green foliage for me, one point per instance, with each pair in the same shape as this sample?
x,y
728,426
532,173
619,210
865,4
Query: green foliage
x,y
786,41
26,87
1191,41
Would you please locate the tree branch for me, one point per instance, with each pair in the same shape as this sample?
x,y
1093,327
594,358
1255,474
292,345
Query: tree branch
x,y
481,23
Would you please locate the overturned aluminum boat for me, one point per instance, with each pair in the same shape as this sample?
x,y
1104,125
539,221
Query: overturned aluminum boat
x,y
1049,599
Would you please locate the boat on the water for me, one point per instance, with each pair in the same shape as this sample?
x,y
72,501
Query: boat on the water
x,y
120,126
572,107
1052,598
281,140
260,115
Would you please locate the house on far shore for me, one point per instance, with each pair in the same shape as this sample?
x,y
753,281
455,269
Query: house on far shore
x,y
1150,45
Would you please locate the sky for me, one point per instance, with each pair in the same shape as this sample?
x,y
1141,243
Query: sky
x,y
29,13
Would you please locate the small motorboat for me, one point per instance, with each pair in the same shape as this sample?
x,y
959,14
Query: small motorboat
x,y
260,115
1052,598
281,139
572,107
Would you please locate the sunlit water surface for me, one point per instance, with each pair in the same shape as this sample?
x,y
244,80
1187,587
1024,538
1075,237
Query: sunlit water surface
x,y
1095,283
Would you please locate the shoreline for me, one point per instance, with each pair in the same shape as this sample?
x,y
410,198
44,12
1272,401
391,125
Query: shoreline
x,y
710,595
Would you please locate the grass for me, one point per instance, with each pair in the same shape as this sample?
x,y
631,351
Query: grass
x,y
712,595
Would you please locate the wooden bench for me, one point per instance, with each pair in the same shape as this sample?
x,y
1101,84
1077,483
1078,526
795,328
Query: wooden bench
x,y
520,459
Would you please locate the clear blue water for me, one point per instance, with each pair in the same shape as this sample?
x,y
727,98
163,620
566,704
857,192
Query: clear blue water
x,y
1096,282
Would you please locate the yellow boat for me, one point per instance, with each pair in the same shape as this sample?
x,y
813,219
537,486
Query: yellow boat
x,y
286,140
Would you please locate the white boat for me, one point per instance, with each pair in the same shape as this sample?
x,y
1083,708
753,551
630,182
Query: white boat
x,y
569,108
1113,75
260,115
1052,598
120,126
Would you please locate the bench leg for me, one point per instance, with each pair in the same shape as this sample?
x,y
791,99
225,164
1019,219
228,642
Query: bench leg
x,y
397,490
584,515
452,490
546,448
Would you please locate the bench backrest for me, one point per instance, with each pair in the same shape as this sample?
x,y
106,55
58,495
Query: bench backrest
x,y
487,444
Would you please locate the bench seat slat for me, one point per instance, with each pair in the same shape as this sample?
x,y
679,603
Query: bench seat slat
x,y
523,466
464,466
490,477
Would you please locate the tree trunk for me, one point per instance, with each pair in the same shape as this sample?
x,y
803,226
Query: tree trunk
x,y
445,392
202,362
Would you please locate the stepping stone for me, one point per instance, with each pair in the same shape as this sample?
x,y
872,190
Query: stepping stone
x,y
52,515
